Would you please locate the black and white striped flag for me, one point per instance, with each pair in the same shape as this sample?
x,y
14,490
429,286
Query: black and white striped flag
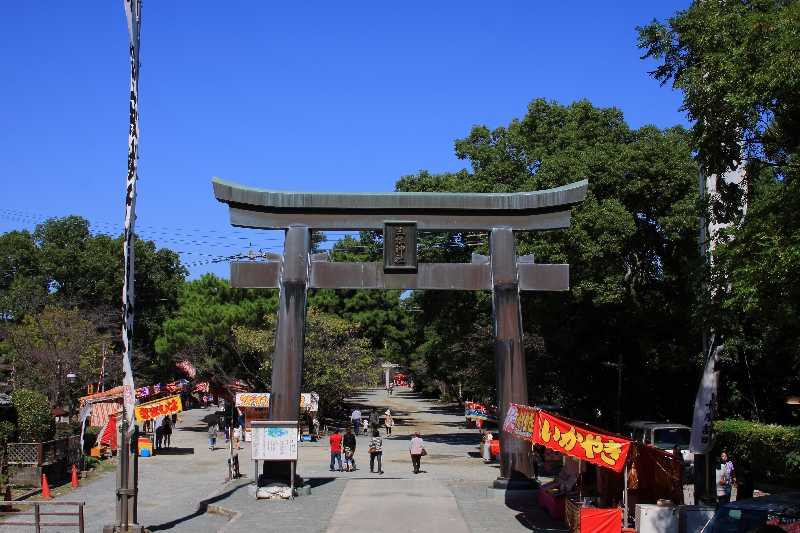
x,y
133,9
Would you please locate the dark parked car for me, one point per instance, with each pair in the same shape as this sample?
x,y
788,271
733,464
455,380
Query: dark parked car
x,y
743,516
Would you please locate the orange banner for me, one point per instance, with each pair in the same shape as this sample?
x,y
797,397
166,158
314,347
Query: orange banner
x,y
584,444
163,407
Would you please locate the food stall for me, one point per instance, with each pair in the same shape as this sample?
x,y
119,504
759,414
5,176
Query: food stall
x,y
152,411
255,406
478,415
569,496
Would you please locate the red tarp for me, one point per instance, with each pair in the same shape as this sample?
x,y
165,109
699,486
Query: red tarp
x,y
601,520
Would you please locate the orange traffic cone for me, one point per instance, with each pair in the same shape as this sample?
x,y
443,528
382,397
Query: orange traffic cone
x,y
74,477
45,488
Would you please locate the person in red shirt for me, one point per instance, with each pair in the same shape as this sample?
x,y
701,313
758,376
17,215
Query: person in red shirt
x,y
336,449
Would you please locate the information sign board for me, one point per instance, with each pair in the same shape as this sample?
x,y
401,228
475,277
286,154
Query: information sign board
x,y
274,440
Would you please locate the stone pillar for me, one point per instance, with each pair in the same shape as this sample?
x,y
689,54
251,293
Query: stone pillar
x,y
512,385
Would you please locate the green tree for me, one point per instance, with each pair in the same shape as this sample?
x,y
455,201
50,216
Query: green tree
x,y
202,329
35,422
337,360
63,264
631,250
48,345
379,313
736,63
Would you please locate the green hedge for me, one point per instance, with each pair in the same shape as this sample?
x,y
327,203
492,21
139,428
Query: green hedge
x,y
761,452
35,422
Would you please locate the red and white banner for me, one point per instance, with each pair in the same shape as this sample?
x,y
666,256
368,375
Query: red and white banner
x,y
580,442
567,437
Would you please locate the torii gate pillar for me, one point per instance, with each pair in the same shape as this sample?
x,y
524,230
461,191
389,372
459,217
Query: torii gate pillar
x,y
511,371
287,362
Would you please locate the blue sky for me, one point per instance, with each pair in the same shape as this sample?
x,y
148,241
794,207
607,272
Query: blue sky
x,y
298,96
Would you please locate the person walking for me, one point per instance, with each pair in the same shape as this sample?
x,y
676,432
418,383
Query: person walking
x,y
167,431
336,448
417,449
355,418
365,426
376,451
388,422
212,433
349,442
726,480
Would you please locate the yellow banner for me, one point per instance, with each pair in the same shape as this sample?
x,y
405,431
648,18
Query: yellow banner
x,y
162,407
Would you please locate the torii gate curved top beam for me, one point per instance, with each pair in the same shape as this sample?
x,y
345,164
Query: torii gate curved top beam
x,y
266,209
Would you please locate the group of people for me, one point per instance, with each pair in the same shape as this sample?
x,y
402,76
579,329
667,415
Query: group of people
x,y
219,424
343,449
162,427
371,424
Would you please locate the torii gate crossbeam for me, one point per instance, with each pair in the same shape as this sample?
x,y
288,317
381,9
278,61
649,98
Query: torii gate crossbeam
x,y
399,216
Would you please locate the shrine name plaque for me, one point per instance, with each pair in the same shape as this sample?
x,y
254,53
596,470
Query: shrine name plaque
x,y
399,247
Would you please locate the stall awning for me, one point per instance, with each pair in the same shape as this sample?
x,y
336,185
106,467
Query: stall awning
x,y
566,436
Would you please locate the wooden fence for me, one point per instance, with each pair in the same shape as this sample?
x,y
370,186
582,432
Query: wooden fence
x,y
38,515
27,461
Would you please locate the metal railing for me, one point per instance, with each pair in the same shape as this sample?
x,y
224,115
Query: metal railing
x,y
38,514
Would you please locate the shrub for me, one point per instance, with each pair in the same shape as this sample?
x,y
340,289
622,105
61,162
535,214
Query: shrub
x,y
8,432
761,452
89,438
34,420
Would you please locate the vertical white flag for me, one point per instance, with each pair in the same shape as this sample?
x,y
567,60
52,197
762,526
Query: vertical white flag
x,y
133,14
705,405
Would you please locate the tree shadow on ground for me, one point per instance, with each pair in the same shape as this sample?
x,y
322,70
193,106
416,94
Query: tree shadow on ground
x,y
195,429
453,410
175,451
202,508
447,438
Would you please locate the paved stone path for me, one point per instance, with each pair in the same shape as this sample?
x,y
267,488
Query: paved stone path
x,y
185,491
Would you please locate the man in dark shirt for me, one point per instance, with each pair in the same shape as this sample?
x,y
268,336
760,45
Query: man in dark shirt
x,y
336,448
350,449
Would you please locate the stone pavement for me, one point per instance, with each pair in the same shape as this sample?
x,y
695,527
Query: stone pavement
x,y
186,491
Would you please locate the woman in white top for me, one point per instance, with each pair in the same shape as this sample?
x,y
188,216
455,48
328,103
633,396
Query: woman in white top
x,y
388,422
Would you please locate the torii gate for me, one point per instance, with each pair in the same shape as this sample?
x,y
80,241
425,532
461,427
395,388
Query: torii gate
x,y
399,216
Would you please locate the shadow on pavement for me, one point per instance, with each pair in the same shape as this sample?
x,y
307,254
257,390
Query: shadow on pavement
x,y
460,439
532,517
319,481
175,451
201,510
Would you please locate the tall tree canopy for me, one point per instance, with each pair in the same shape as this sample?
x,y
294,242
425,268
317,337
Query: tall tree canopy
x,y
736,63
62,263
202,328
632,250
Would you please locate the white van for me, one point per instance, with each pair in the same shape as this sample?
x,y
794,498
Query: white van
x,y
666,436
